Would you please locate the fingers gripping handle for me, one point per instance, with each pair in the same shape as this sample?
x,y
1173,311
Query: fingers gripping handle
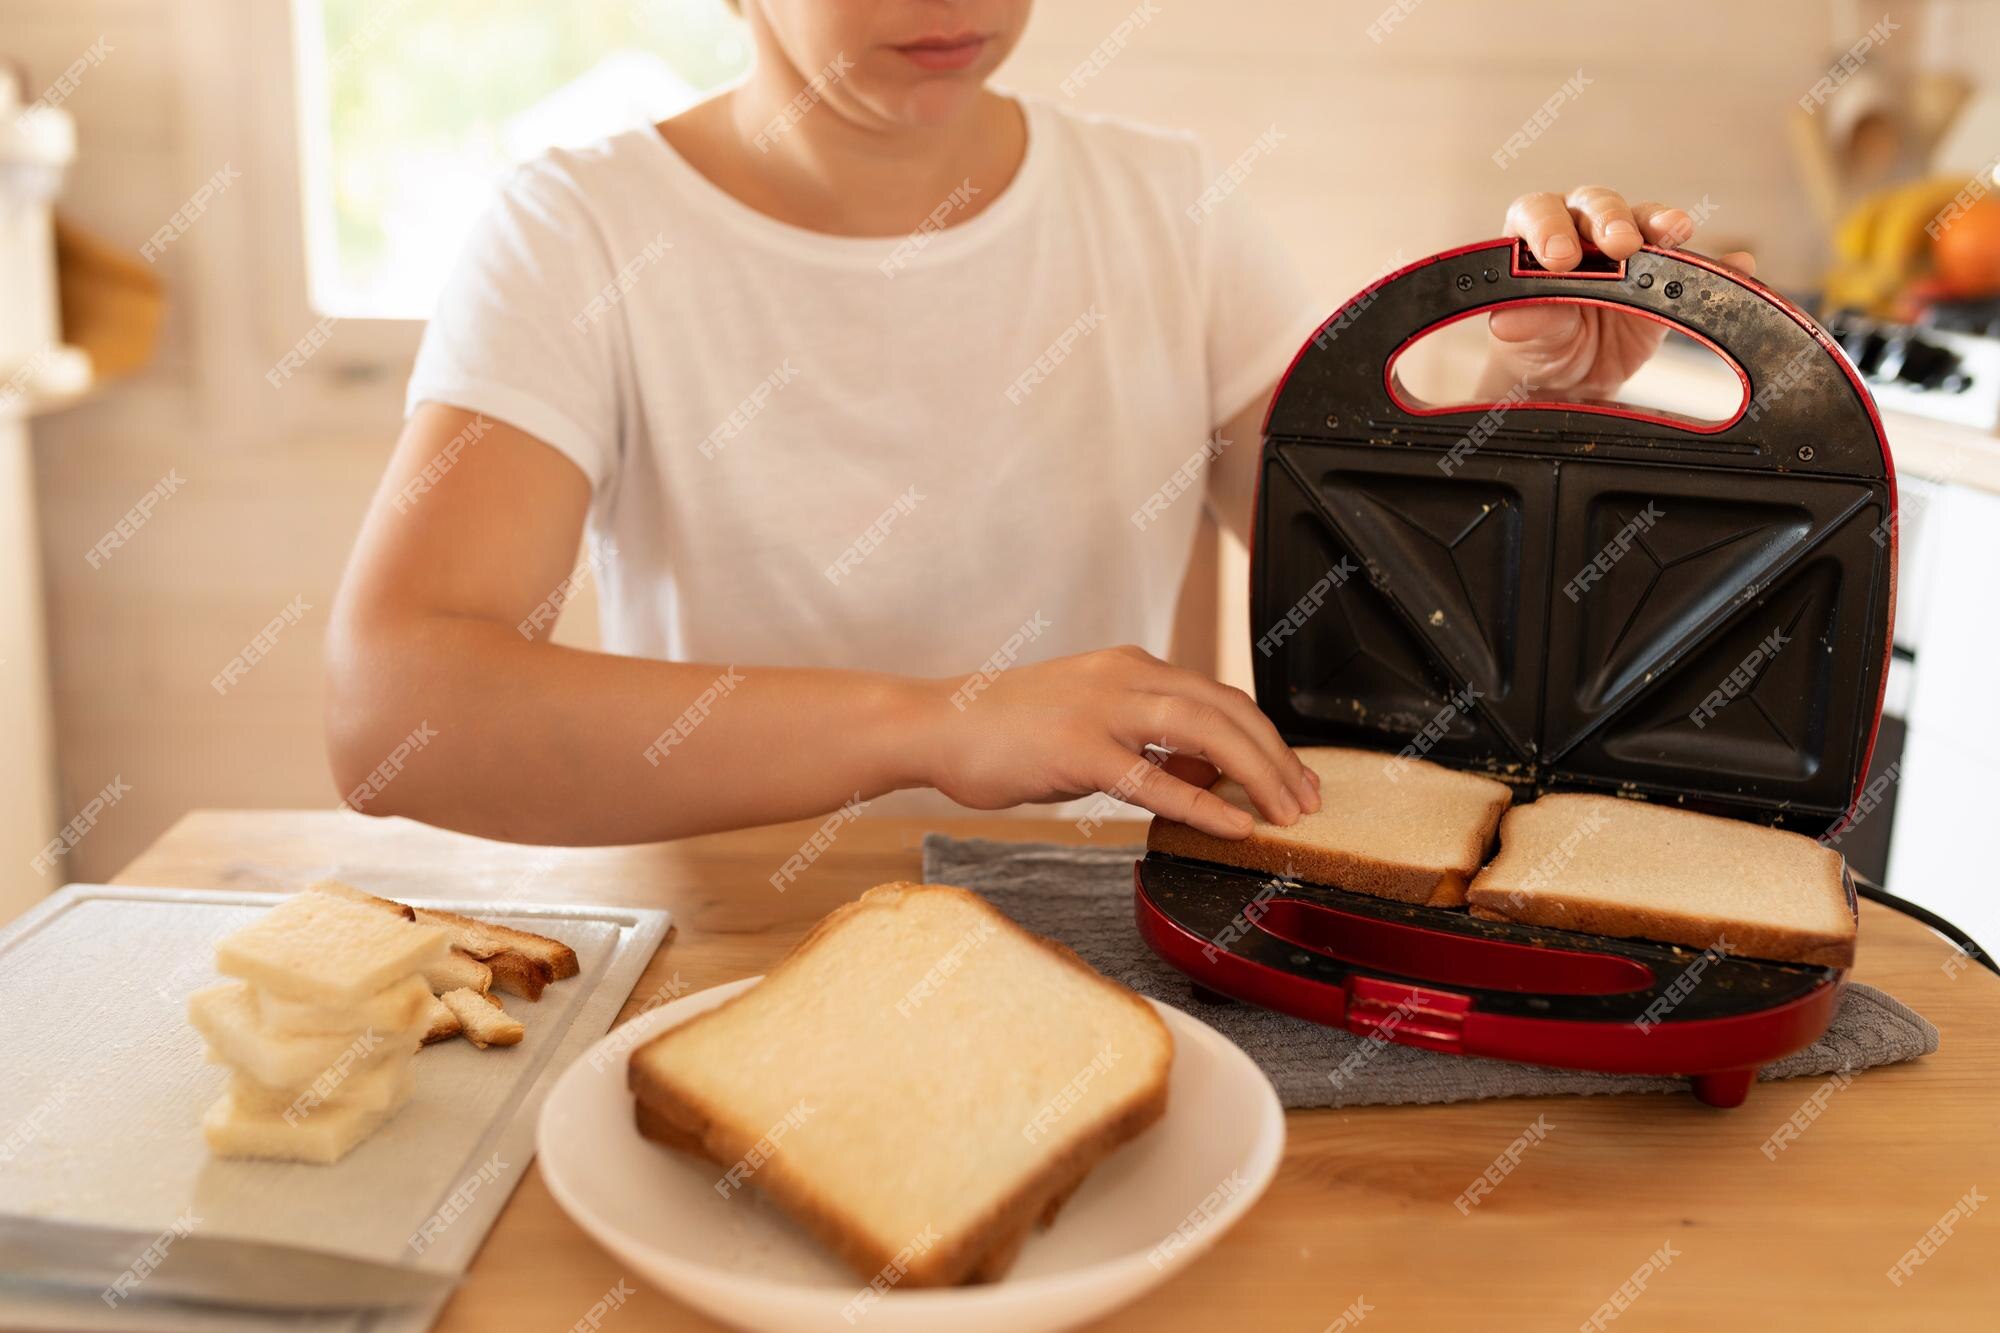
x,y
1798,385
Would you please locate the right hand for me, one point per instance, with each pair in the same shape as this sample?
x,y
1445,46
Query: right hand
x,y
1058,730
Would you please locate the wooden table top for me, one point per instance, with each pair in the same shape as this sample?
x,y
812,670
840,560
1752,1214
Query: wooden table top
x,y
1361,1209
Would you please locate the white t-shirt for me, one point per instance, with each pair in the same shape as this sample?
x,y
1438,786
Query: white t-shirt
x,y
886,454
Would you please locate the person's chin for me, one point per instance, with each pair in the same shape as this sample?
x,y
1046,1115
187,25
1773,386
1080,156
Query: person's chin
x,y
927,97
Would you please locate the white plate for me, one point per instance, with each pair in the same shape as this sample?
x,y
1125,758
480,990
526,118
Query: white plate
x,y
1143,1213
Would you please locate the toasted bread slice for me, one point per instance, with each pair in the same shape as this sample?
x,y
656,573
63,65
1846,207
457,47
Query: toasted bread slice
x,y
335,889
1395,828
1607,866
226,1014
327,950
485,1023
459,971
440,1023
322,1137
390,1009
919,1081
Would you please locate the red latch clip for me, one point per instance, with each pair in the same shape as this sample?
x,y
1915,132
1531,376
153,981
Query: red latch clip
x,y
1405,1014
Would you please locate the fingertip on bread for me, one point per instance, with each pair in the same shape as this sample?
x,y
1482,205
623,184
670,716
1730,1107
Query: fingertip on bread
x,y
1403,829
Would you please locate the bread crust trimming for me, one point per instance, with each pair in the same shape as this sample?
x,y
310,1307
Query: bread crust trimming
x,y
521,962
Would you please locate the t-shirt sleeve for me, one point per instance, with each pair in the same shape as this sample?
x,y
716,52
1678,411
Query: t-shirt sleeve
x,y
1258,308
524,330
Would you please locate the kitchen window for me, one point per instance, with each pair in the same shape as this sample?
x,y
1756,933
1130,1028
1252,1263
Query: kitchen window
x,y
410,110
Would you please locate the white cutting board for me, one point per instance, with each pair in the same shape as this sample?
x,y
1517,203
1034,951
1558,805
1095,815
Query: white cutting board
x,y
105,1084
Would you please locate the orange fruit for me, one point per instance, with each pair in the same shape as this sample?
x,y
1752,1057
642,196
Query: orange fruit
x,y
1966,252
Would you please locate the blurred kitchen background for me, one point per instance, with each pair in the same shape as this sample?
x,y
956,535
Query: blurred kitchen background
x,y
254,202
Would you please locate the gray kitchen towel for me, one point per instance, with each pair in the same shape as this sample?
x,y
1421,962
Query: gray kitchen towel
x,y
1082,896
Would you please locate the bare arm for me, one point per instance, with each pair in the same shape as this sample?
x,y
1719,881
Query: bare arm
x,y
520,739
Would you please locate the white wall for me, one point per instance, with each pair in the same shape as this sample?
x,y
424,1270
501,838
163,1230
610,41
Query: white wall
x,y
1386,149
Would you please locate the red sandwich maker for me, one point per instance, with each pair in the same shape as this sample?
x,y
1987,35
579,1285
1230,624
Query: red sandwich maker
x,y
1568,596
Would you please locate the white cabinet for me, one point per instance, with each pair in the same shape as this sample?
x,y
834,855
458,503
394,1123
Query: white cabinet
x,y
1948,799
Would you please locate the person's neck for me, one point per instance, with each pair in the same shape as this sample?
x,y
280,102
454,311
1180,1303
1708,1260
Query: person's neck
x,y
835,171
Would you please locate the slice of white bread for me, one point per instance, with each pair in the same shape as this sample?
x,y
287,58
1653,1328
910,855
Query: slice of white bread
x,y
459,971
390,1009
226,1014
918,1071
482,1019
1609,866
322,1137
372,1088
327,950
1396,828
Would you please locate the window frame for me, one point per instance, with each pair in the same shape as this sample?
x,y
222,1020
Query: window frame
x,y
243,276
252,103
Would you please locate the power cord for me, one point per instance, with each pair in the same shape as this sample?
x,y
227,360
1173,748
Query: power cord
x,y
1875,893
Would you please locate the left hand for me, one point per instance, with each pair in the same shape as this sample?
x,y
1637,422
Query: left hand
x,y
1582,351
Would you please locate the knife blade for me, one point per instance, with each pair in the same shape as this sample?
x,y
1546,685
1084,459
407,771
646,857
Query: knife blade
x,y
184,1265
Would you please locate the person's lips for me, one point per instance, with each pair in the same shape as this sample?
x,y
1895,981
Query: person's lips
x,y
944,53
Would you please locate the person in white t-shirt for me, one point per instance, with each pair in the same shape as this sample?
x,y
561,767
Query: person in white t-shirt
x,y
888,403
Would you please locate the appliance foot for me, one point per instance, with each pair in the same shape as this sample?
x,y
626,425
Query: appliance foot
x,y
1203,995
1724,1088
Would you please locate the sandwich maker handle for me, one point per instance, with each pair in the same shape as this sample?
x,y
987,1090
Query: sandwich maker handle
x,y
1594,264
1594,267
1804,408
